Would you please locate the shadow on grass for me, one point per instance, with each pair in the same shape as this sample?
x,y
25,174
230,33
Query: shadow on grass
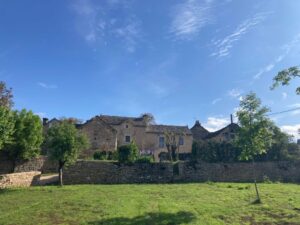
x,y
6,190
150,219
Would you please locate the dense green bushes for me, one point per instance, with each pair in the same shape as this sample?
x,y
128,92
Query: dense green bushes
x,y
211,151
124,154
105,155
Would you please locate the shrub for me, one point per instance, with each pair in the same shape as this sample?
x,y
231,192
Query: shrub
x,y
128,153
101,155
145,159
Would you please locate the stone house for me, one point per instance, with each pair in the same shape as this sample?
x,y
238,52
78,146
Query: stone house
x,y
106,133
225,134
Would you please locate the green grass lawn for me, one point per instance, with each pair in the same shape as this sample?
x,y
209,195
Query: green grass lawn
x,y
206,203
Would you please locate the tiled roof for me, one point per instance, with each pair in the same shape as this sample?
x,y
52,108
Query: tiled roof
x,y
199,132
233,127
167,128
117,120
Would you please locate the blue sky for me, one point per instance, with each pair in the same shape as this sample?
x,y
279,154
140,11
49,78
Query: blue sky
x,y
180,60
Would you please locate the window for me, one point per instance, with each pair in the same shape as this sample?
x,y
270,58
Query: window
x,y
181,141
161,142
127,139
126,125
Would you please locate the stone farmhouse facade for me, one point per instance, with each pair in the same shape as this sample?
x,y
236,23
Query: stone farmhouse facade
x,y
106,133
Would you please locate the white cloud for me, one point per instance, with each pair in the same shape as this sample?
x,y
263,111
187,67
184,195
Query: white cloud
x,y
47,86
284,95
96,23
189,18
286,50
216,123
224,46
292,130
235,93
215,101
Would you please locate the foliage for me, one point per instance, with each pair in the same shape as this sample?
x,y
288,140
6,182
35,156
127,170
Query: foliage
x,y
128,153
27,136
148,118
145,159
141,204
7,124
212,151
100,155
65,142
285,76
255,135
6,96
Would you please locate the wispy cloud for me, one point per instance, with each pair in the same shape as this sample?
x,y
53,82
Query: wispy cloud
x,y
189,18
216,123
97,23
130,34
215,101
286,48
224,46
47,86
235,93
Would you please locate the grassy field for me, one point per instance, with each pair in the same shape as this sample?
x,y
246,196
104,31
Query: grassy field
x,y
208,203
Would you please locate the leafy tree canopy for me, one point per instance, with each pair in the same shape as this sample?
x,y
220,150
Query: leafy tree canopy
x,y
285,76
7,124
255,134
5,96
27,135
65,142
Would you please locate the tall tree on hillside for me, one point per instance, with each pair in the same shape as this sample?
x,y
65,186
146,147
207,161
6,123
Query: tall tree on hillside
x,y
27,136
6,96
64,143
255,133
285,76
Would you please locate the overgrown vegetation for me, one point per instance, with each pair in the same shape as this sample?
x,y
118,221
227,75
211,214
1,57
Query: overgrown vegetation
x,y
21,132
195,204
128,153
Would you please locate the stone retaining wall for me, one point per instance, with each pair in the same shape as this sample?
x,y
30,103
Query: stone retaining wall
x,y
99,172
41,163
25,179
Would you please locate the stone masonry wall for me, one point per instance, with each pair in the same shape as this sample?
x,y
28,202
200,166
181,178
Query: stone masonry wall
x,y
25,179
42,164
98,172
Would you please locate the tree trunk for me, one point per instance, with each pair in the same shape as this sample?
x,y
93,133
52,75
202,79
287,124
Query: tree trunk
x,y
60,177
258,200
60,172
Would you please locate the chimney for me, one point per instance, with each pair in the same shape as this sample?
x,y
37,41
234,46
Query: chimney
x,y
45,121
231,118
197,123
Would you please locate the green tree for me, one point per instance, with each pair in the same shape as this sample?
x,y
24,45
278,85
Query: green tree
x,y
7,124
285,76
128,153
64,143
27,136
255,134
6,96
